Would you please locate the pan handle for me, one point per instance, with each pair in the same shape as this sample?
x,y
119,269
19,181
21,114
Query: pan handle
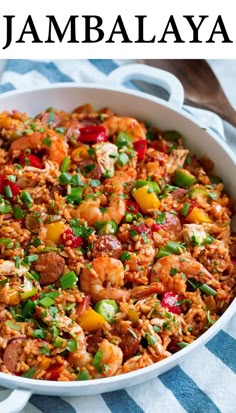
x,y
152,75
15,402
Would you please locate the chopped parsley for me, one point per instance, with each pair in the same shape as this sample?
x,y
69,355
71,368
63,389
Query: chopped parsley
x,y
79,230
133,233
83,375
17,211
125,255
89,168
44,350
7,242
47,141
97,361
39,333
29,374
71,346
161,218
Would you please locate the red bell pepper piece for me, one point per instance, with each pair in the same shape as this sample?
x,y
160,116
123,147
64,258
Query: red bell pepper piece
x,y
4,181
72,240
31,160
156,227
169,301
158,145
132,206
92,134
34,297
142,228
141,148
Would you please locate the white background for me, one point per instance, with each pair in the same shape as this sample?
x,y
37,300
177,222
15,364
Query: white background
x,y
158,13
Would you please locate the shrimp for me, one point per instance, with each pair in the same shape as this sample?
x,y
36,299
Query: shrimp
x,y
80,356
90,211
116,124
143,291
136,363
49,140
184,265
111,361
104,279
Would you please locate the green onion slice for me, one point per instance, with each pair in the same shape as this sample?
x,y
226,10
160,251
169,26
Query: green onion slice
x,y
68,280
27,198
65,164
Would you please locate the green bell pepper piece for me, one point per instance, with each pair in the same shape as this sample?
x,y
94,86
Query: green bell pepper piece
x,y
183,178
153,185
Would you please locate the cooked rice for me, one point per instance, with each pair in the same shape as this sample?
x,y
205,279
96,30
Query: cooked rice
x,y
74,234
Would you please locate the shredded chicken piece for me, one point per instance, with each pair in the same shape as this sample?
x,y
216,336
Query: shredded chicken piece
x,y
177,159
193,232
106,154
8,268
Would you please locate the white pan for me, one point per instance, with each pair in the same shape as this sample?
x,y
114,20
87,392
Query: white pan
x,y
166,115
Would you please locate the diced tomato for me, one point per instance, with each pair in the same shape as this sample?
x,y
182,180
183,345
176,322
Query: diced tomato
x,y
53,372
142,228
92,134
132,206
169,301
4,181
158,145
84,305
156,227
141,148
31,160
70,239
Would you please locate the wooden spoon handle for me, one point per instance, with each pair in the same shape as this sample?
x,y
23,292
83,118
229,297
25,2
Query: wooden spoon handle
x,y
224,109
201,87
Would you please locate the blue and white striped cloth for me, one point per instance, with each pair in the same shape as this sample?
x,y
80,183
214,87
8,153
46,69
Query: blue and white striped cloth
x,y
205,382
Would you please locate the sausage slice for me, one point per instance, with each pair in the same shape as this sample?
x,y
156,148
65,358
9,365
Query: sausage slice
x,y
107,245
50,266
12,353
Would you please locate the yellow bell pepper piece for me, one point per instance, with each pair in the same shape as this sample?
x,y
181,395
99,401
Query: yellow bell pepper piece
x,y
54,231
146,199
45,362
133,315
198,216
80,154
90,320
